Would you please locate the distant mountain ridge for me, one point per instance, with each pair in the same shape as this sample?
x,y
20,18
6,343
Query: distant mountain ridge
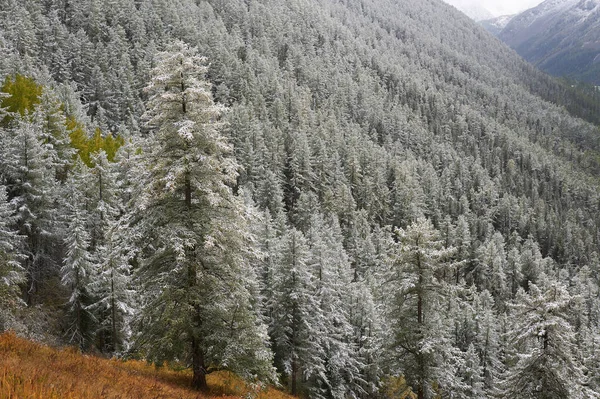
x,y
473,11
496,25
561,37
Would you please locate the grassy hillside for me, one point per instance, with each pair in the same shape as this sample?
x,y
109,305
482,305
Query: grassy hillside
x,y
31,370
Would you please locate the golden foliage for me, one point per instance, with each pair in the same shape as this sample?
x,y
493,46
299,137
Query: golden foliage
x,y
33,371
86,146
397,388
24,95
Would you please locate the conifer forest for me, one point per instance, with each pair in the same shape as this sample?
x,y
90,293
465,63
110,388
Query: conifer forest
x,y
347,199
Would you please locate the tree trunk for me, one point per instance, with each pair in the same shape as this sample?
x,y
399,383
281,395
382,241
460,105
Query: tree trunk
x,y
198,367
113,312
199,376
294,372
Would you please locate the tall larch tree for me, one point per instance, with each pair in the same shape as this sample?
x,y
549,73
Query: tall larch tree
x,y
295,320
418,341
76,271
29,177
543,362
112,289
330,265
11,272
198,284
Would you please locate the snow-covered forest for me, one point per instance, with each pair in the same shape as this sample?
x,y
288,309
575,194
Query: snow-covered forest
x,y
351,198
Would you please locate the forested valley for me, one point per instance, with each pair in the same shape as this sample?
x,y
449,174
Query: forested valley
x,y
350,198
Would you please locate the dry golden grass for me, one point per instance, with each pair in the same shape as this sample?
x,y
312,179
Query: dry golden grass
x,y
32,371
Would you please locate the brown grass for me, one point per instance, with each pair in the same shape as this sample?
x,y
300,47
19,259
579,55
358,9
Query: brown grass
x,y
30,370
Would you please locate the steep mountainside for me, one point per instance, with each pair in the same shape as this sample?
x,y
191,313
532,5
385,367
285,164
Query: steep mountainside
x,y
406,204
562,37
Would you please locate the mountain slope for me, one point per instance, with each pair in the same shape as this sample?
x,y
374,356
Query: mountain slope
x,y
562,37
361,126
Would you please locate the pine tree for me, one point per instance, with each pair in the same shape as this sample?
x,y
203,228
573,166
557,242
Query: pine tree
x,y
330,265
111,196
544,363
11,272
489,272
471,372
102,195
488,341
462,242
532,263
197,281
419,335
77,271
29,177
295,321
112,289
367,325
49,115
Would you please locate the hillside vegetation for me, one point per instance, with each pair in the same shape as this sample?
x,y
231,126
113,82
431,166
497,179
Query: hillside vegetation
x,y
337,195
30,370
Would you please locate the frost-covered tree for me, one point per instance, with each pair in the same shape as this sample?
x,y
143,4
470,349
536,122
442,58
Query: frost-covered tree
x,y
198,283
461,240
50,117
29,177
295,320
531,261
367,325
343,367
102,194
418,342
76,272
112,289
489,273
487,340
544,362
110,193
11,272
471,372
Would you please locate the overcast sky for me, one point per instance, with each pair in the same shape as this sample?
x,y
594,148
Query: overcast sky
x,y
498,7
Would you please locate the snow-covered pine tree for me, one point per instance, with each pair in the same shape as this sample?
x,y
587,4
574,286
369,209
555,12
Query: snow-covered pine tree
x,y
195,272
366,322
471,372
543,363
111,196
29,176
586,319
11,272
489,272
102,194
76,271
488,340
112,290
329,263
295,321
50,116
418,339
268,243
